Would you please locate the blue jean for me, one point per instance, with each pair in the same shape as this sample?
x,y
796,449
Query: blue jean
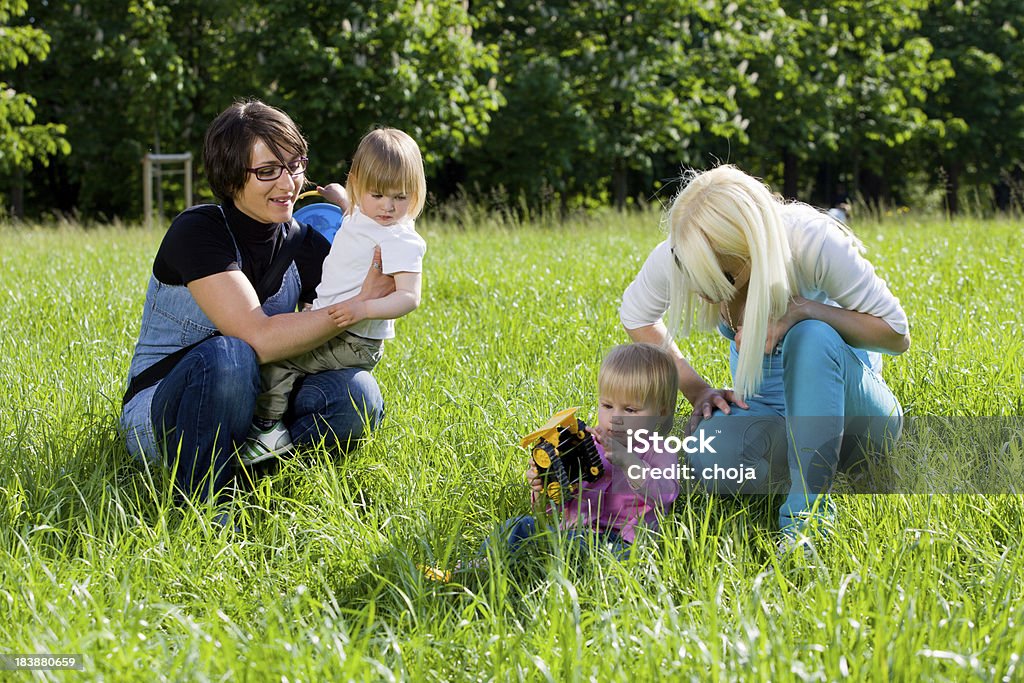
x,y
204,406
518,530
833,408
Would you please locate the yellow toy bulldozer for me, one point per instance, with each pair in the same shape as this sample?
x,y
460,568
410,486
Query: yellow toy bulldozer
x,y
564,454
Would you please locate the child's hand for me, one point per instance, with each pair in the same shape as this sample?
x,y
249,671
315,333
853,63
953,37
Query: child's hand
x,y
533,478
334,193
347,312
607,441
616,451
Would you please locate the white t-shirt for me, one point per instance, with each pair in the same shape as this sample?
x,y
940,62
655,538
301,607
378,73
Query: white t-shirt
x,y
828,269
401,250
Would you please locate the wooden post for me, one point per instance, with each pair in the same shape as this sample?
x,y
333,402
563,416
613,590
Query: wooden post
x,y
152,164
147,190
188,180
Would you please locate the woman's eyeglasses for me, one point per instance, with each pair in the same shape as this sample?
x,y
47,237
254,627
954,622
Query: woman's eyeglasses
x,y
274,171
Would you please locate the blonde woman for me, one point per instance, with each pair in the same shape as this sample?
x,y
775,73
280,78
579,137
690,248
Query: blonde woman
x,y
806,317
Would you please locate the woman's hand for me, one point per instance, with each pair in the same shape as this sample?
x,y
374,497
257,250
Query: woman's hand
x,y
376,285
706,403
334,193
777,329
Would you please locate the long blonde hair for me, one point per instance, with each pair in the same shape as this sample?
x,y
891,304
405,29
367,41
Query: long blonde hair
x,y
724,212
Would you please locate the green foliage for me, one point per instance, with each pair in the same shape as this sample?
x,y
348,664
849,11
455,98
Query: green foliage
x,y
348,66
141,73
539,101
845,86
156,73
980,111
23,142
616,83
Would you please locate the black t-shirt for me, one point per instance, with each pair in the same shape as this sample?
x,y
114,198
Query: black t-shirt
x,y
198,244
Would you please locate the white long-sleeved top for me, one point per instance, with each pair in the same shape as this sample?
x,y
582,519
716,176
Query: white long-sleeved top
x,y
828,269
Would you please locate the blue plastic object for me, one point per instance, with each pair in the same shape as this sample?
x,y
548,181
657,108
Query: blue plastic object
x,y
325,218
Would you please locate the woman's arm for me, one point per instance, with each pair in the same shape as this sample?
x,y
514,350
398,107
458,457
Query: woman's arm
x,y
860,330
643,304
230,302
702,396
829,260
405,299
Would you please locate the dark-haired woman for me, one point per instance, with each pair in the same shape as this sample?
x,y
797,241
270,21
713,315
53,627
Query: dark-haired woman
x,y
223,296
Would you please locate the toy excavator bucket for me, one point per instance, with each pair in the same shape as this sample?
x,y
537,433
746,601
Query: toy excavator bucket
x,y
549,432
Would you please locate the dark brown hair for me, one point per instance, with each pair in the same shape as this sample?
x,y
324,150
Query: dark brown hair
x,y
230,138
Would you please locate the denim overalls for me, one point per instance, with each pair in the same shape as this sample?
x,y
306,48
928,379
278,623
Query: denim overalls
x,y
171,320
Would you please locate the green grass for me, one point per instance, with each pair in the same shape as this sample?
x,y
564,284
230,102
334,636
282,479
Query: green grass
x,y
321,585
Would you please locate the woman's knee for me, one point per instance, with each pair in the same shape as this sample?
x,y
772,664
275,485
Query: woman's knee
x,y
231,367
811,337
738,453
342,404
366,396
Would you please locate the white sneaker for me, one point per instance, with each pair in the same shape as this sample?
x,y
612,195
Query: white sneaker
x,y
262,445
790,547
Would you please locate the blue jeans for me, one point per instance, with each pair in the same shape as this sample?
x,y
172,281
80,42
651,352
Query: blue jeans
x,y
833,408
518,530
204,406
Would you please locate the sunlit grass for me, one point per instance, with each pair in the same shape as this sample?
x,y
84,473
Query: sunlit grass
x,y
321,583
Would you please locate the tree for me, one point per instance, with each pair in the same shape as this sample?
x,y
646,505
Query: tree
x,y
340,68
128,77
884,73
979,134
635,81
845,87
23,142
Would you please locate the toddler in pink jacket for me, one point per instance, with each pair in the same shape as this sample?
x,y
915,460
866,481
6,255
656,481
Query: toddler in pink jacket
x,y
637,388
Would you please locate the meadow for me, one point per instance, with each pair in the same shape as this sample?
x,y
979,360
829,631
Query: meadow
x,y
320,582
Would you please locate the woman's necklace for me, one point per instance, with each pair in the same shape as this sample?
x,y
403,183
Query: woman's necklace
x,y
728,316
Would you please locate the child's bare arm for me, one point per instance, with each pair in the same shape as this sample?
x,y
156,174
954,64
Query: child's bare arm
x,y
335,194
533,480
404,299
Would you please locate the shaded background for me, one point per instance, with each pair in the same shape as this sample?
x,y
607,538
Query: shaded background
x,y
523,104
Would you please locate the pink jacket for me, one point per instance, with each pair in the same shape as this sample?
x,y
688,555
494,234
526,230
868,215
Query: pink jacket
x,y
610,504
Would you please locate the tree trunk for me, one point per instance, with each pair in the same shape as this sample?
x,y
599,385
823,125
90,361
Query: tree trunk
x,y
619,184
953,189
1001,195
790,174
873,189
18,195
